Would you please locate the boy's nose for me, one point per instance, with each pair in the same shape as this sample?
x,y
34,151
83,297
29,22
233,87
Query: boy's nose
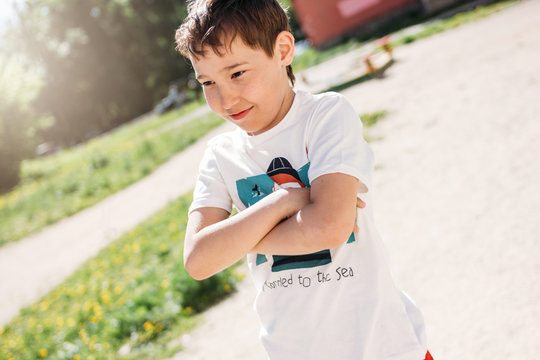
x,y
228,97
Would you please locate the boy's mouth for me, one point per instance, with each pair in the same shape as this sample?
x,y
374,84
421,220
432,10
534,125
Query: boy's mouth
x,y
241,114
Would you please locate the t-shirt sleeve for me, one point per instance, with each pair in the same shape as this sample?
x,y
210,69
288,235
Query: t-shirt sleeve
x,y
210,188
335,142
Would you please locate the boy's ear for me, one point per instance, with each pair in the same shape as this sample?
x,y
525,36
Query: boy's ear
x,y
285,47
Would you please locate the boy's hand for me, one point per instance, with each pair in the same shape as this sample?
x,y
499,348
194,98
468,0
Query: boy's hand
x,y
296,198
359,204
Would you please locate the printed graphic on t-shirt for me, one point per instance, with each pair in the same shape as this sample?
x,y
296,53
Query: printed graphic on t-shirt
x,y
281,174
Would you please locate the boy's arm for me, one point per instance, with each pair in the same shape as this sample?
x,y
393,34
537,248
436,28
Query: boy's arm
x,y
214,241
324,223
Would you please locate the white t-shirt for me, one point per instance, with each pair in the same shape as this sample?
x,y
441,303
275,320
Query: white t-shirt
x,y
339,303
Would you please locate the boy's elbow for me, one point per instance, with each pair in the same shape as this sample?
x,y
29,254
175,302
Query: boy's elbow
x,y
195,268
333,231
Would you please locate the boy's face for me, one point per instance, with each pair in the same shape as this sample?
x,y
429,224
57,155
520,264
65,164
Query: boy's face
x,y
247,87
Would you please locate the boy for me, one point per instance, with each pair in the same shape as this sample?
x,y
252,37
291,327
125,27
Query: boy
x,y
293,169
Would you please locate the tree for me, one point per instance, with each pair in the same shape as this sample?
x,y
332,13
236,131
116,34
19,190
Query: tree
x,y
18,88
105,61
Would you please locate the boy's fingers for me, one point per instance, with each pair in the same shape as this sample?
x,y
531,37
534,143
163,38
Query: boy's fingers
x,y
359,203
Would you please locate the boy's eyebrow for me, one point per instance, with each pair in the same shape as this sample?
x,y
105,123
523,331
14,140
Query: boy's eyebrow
x,y
226,68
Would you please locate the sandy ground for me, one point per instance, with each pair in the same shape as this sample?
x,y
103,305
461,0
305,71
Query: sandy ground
x,y
456,192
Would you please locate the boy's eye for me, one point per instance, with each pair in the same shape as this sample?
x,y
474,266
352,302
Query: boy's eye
x,y
237,74
207,83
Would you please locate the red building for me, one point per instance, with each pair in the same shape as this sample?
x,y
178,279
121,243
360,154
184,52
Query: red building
x,y
323,20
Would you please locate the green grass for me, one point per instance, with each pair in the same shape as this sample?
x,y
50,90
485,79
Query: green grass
x,y
60,185
313,56
135,294
370,119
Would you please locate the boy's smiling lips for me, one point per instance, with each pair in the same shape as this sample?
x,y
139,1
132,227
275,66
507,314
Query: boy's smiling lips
x,y
241,114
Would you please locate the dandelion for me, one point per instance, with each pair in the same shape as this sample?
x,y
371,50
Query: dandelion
x,y
2,330
43,306
43,353
71,322
117,290
84,336
136,247
59,322
227,288
87,305
76,357
81,289
148,326
106,299
11,344
165,283
188,310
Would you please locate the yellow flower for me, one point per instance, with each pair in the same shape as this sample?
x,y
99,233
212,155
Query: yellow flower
x,y
136,247
2,330
71,322
76,357
227,288
59,322
117,290
93,319
81,289
106,299
83,335
87,305
148,326
43,352
188,310
165,283
11,344
43,306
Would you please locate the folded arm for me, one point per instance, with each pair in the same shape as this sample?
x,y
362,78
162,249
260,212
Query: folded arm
x,y
326,222
214,241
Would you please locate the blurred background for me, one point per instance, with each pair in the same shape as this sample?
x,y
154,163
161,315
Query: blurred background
x,y
71,70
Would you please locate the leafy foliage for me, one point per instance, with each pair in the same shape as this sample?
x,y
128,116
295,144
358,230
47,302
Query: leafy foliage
x,y
104,62
129,301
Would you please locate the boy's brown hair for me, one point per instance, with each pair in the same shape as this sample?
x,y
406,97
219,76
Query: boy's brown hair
x,y
210,22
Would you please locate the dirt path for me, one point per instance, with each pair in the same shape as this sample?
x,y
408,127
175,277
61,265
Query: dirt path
x,y
32,267
455,191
